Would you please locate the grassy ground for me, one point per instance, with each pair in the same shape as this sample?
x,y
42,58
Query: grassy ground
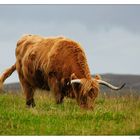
x,y
111,116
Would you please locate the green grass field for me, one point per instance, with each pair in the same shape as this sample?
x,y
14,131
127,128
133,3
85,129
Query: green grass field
x,y
111,116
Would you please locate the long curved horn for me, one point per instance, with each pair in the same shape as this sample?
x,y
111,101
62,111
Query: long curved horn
x,y
75,81
109,85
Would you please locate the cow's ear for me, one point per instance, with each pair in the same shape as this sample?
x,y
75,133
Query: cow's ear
x,y
97,77
73,76
75,80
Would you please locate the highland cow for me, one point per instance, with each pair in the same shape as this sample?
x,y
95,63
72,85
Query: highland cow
x,y
57,64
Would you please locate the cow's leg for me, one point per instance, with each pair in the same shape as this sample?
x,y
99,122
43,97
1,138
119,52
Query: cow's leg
x,y
28,92
59,98
26,87
56,88
58,93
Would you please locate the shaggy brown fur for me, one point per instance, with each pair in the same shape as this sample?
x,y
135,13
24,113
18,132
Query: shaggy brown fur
x,y
51,63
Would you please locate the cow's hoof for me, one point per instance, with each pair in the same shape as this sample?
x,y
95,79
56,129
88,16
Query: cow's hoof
x,y
30,103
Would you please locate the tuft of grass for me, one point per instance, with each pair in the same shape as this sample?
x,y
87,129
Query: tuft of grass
x,y
111,116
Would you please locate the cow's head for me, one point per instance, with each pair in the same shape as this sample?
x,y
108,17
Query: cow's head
x,y
86,90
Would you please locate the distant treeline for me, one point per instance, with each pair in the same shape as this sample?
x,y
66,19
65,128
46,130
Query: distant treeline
x,y
132,82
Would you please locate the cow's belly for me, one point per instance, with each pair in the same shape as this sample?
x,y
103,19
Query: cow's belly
x,y
37,79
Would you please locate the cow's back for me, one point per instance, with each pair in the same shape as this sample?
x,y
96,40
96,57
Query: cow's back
x,y
25,43
67,57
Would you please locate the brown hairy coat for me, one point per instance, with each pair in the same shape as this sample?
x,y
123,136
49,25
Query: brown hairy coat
x,y
53,64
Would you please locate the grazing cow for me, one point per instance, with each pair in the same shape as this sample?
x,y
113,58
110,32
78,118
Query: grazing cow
x,y
57,64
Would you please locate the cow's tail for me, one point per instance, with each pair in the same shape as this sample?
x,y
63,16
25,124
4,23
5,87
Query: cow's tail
x,y
6,74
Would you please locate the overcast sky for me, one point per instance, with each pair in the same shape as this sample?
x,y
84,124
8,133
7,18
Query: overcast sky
x,y
109,34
